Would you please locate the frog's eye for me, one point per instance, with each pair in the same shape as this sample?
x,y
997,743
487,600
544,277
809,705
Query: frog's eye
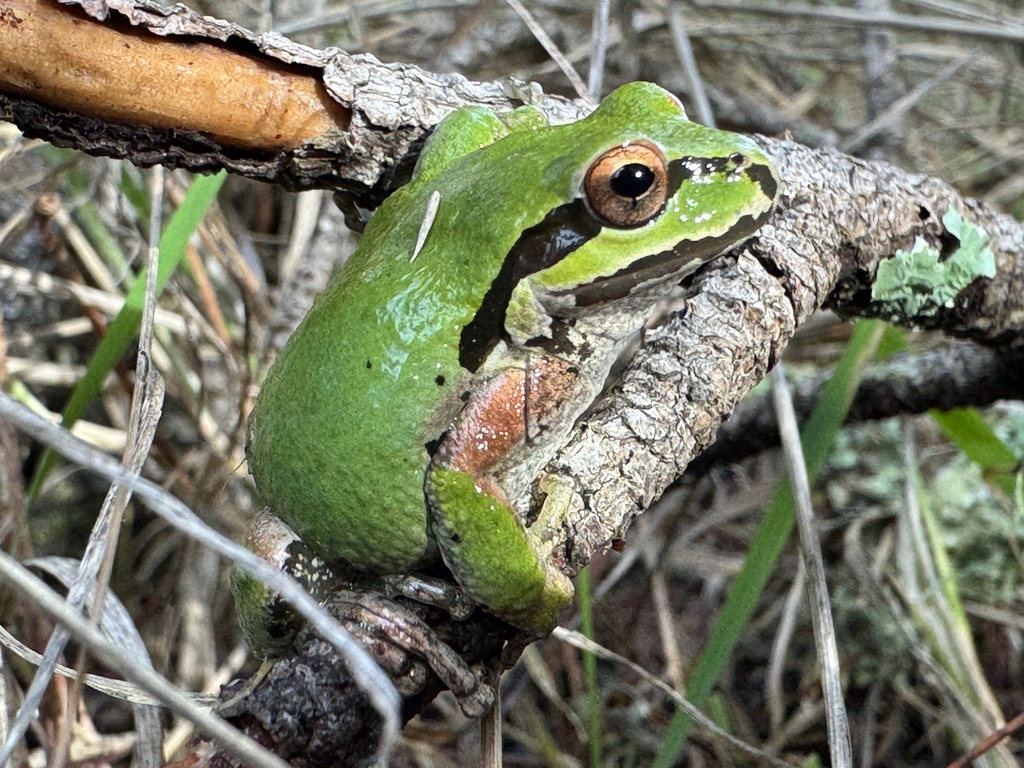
x,y
627,186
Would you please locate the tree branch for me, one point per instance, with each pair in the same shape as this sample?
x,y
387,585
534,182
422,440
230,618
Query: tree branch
x,y
838,218
192,92
955,377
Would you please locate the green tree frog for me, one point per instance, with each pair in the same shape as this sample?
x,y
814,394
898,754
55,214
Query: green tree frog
x,y
479,317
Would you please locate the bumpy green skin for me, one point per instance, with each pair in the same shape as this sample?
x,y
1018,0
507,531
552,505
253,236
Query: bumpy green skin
x,y
254,610
339,434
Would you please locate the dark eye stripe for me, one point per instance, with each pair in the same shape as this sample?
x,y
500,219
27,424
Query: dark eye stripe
x,y
543,245
621,284
762,175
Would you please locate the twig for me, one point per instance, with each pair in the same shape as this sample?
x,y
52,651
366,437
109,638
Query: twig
x,y
988,743
552,50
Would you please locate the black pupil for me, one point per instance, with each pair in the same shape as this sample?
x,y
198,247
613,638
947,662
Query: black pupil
x,y
632,180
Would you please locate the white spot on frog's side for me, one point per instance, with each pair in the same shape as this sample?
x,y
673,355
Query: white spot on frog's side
x,y
428,221
706,216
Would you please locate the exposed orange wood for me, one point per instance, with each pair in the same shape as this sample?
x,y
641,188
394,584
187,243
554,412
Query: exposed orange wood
x,y
56,55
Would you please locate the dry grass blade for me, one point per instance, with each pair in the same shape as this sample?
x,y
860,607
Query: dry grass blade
x,y
583,643
1001,29
107,303
900,107
97,563
552,50
118,689
113,619
941,636
684,51
18,577
598,46
787,625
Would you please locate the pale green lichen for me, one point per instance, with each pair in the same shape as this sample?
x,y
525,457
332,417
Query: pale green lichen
x,y
915,282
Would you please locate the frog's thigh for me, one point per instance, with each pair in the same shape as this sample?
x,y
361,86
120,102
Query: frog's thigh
x,y
497,561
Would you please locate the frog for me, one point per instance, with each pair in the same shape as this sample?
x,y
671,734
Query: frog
x,y
406,419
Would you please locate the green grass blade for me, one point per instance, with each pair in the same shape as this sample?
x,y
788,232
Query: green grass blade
x,y
971,434
123,328
88,217
818,436
593,703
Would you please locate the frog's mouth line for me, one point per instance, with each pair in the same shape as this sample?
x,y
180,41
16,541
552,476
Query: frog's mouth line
x,y
673,263
566,228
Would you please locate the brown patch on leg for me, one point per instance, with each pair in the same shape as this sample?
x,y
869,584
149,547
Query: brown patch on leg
x,y
495,421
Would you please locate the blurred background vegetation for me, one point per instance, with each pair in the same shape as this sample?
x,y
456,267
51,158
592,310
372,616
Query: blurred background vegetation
x,y
927,588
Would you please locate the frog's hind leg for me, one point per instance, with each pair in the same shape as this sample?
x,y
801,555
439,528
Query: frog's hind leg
x,y
401,642
501,565
269,623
